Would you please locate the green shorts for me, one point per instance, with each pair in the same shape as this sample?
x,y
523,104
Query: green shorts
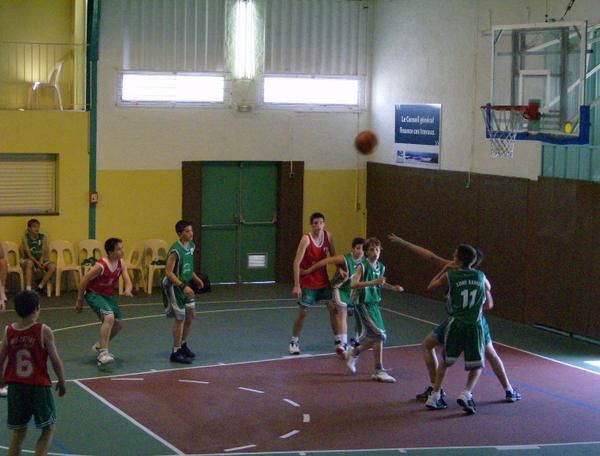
x,y
342,298
370,322
439,330
175,302
464,338
103,305
25,401
311,296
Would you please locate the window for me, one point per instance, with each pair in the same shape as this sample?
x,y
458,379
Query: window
x,y
315,54
173,52
312,91
28,184
171,88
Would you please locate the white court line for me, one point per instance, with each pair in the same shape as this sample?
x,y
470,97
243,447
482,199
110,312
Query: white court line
x,y
251,390
146,304
305,355
289,434
499,343
195,381
238,363
306,418
289,401
518,447
202,312
33,451
245,447
128,379
130,419
406,450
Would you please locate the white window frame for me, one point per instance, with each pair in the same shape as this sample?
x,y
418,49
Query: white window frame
x,y
26,184
173,103
319,107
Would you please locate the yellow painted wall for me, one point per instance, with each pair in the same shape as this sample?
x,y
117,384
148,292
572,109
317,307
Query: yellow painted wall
x,y
63,133
41,33
340,195
47,21
138,205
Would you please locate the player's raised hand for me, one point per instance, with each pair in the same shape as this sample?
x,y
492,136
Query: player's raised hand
x,y
394,238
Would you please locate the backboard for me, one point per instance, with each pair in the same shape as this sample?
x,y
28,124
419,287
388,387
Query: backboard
x,y
544,63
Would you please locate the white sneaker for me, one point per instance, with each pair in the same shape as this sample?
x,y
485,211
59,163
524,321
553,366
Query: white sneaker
x,y
4,391
294,348
383,376
467,403
105,358
351,360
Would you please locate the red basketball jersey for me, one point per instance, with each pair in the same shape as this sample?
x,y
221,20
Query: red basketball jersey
x,y
105,282
27,356
313,254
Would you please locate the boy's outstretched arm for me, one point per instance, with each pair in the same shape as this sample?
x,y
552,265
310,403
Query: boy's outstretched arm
x,y
338,260
421,252
55,360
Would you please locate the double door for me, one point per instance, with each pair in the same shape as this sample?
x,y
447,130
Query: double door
x,y
239,221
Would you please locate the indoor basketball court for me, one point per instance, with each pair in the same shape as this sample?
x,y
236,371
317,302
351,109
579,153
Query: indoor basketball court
x,y
424,124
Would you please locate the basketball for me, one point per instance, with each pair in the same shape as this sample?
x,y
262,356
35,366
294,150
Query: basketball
x,y
366,142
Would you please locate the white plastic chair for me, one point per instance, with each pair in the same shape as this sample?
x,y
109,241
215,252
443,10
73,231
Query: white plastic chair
x,y
51,87
154,250
66,261
89,248
135,267
13,260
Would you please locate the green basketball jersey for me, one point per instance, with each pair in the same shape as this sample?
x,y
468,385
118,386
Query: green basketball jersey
x,y
344,283
35,245
466,294
372,294
184,264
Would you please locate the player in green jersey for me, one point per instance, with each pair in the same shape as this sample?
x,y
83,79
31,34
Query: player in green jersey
x,y
436,337
177,288
34,247
341,290
468,291
367,281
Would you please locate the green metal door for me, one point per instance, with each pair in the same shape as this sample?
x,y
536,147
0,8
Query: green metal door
x,y
239,207
258,230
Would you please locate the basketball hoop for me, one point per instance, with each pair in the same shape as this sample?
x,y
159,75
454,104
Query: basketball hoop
x,y
504,122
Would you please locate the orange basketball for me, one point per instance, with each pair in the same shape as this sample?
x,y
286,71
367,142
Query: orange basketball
x,y
366,142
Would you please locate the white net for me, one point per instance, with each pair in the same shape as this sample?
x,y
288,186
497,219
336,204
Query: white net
x,y
502,126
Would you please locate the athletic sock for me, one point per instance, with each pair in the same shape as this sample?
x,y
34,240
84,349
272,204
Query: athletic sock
x,y
295,339
467,394
379,366
344,338
28,287
176,349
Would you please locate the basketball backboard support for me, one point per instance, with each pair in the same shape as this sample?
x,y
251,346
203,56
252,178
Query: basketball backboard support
x,y
544,63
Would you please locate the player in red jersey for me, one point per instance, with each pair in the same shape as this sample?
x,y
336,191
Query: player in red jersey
x,y
98,285
311,288
26,347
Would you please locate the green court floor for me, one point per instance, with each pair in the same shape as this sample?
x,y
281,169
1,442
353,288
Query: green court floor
x,y
239,324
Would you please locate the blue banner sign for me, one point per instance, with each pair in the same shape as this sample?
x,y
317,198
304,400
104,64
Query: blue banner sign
x,y
417,135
